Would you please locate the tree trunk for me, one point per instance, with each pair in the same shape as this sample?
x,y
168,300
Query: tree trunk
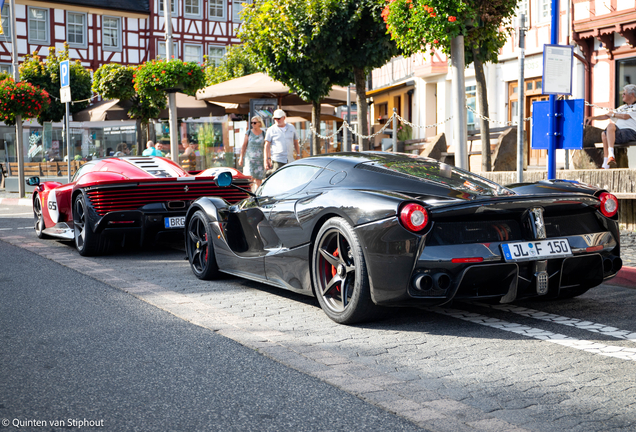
x,y
361,100
315,120
141,136
482,97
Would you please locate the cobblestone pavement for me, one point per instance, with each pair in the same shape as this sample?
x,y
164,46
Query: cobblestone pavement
x,y
628,248
535,368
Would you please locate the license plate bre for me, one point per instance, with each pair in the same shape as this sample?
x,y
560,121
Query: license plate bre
x,y
174,222
536,250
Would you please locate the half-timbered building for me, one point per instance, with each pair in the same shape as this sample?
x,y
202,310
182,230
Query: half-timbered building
x,y
120,31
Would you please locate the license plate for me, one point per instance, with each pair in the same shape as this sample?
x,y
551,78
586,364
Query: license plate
x,y
174,222
536,250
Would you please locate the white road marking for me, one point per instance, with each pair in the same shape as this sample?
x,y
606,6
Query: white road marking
x,y
572,322
16,214
531,332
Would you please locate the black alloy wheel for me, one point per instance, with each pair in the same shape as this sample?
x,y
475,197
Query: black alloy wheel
x,y
38,217
87,242
339,274
199,247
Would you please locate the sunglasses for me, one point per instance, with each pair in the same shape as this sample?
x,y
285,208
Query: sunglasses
x,y
254,122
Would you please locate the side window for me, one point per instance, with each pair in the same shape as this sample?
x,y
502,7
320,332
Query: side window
x,y
288,179
82,170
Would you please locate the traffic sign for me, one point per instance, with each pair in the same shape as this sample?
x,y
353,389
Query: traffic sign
x,y
569,124
65,74
65,94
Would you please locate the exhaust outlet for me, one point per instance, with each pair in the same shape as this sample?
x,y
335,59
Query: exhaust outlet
x,y
423,282
441,281
617,264
608,264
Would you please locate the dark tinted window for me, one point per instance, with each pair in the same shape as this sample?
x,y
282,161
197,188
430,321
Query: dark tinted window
x,y
287,180
429,170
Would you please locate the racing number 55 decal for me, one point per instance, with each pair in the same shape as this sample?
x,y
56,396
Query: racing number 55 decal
x,y
52,207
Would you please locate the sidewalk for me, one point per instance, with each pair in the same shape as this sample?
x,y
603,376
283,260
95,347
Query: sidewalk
x,y
626,277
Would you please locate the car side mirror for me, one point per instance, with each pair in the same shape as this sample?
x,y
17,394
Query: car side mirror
x,y
33,181
223,179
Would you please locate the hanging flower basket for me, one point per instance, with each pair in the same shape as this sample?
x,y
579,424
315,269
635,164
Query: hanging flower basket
x,y
22,99
155,78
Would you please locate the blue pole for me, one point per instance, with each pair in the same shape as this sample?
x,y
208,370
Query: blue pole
x,y
552,139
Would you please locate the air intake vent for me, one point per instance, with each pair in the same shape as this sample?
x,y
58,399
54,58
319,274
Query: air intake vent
x,y
105,200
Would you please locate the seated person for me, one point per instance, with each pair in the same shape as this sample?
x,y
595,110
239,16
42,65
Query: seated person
x,y
621,128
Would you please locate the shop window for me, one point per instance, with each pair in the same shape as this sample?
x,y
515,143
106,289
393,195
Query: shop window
x,y
471,101
626,74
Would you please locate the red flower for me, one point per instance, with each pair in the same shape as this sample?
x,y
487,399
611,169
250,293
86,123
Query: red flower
x,y
435,41
433,14
452,19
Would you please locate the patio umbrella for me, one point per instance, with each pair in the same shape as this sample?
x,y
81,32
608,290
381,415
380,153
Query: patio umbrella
x,y
187,106
260,86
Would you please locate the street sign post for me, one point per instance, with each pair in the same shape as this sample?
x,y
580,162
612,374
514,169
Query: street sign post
x,y
569,124
65,97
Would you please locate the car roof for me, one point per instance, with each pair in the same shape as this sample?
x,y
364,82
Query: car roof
x,y
355,158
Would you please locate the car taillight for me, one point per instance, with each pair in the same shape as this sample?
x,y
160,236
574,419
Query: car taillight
x,y
414,217
609,204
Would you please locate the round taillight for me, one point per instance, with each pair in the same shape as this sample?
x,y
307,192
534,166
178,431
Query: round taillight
x,y
609,204
414,217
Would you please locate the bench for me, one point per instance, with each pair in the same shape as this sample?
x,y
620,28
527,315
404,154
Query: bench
x,y
44,169
472,136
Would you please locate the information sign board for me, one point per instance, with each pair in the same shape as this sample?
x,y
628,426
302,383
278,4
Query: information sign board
x,y
569,124
557,69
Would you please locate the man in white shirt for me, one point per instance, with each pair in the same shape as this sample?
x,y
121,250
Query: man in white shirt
x,y
621,128
280,136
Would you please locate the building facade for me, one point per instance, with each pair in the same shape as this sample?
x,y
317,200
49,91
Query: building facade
x,y
128,32
580,26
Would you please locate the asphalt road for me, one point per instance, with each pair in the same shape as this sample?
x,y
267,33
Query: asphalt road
x,y
76,350
532,366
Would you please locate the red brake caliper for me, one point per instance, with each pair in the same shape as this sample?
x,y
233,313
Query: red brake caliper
x,y
206,249
334,270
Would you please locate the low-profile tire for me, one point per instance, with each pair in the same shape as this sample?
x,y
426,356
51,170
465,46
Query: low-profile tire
x,y
339,274
38,218
87,242
199,247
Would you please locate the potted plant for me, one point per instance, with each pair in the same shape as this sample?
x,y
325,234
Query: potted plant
x,y
155,78
22,99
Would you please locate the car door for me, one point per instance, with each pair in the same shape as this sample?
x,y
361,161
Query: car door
x,y
286,263
249,237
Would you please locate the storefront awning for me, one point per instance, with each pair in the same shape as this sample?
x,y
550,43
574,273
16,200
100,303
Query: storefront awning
x,y
386,89
187,106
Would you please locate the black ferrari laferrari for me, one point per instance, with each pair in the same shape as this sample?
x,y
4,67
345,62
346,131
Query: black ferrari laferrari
x,y
365,230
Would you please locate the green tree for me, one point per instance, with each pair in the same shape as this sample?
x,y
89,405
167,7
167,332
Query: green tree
x,y
115,81
236,63
423,25
310,45
364,44
46,75
288,40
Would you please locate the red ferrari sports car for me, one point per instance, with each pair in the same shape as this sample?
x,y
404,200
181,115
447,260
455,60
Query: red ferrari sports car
x,y
124,200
